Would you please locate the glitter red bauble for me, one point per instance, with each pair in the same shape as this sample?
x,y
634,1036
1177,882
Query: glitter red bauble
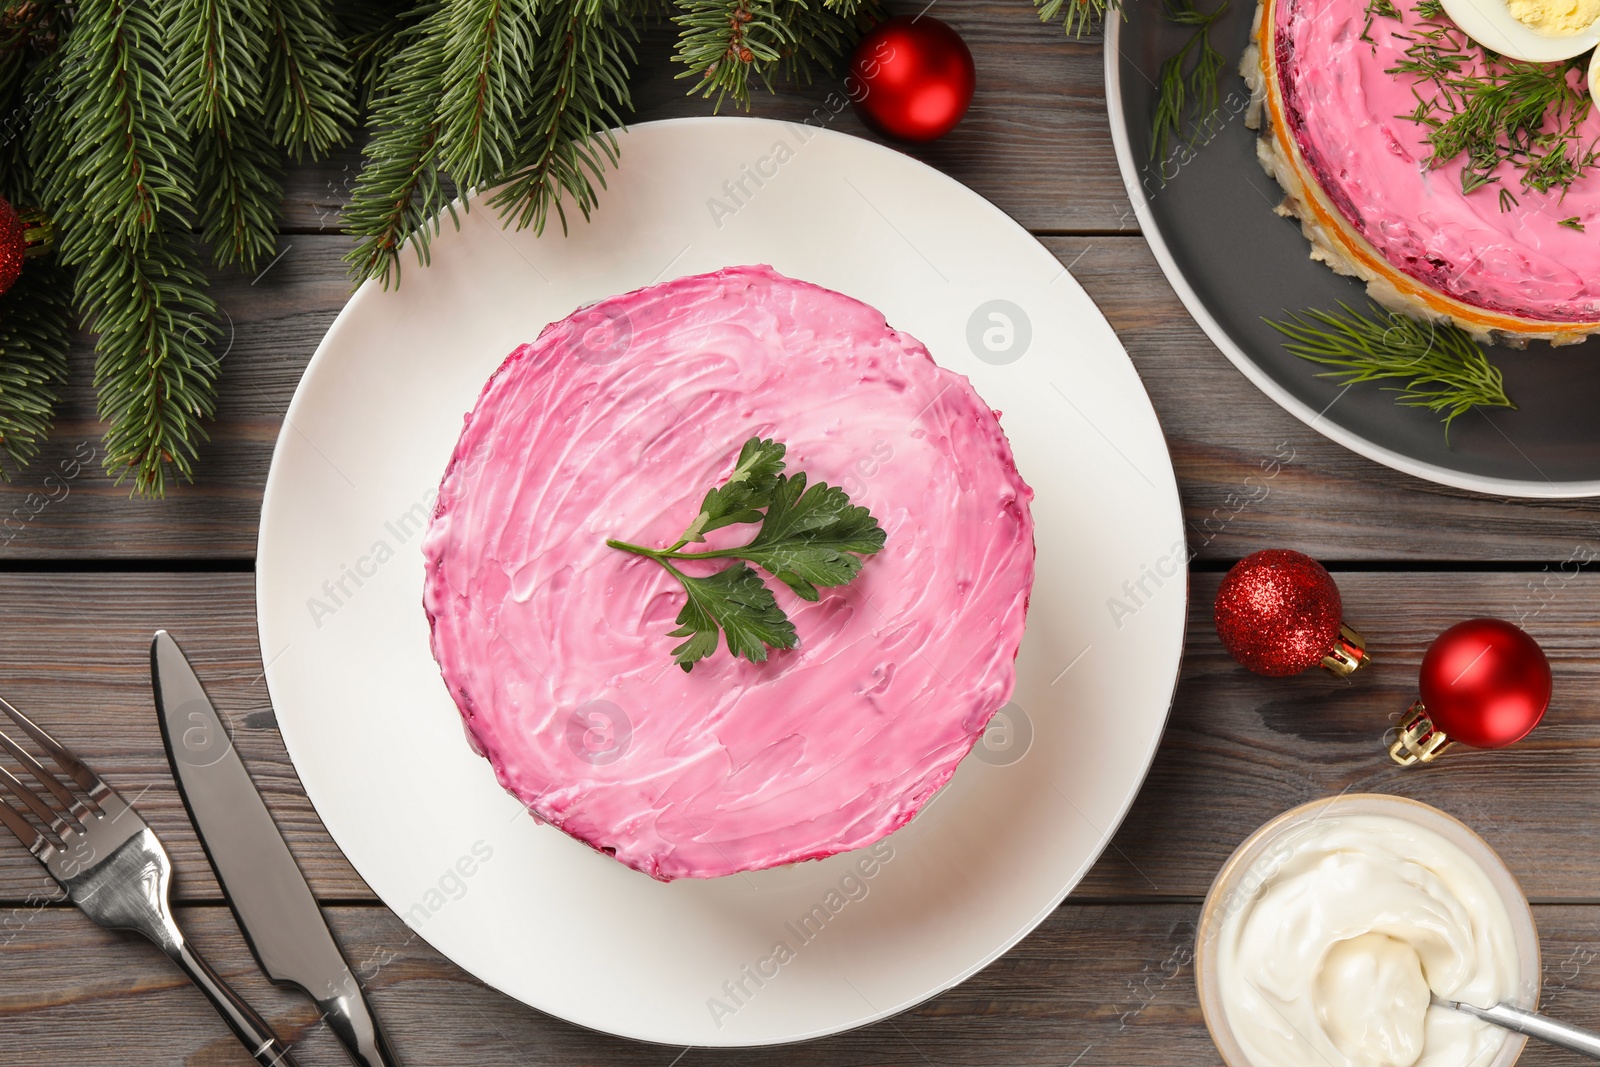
x,y
911,78
1485,683
1278,612
13,245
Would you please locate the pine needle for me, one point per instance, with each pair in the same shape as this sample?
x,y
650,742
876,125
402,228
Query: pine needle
x,y
155,375
400,193
726,43
1444,369
220,48
486,86
122,199
309,88
580,88
371,31
239,179
36,327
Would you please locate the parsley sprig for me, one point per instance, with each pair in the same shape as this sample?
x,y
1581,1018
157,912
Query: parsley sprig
x,y
811,537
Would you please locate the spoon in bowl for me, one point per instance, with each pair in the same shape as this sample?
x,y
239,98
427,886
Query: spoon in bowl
x,y
1563,1035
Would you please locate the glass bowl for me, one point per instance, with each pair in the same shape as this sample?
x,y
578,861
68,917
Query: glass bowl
x,y
1253,864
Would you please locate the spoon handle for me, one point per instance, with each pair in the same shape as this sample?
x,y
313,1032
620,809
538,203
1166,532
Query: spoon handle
x,y
1564,1035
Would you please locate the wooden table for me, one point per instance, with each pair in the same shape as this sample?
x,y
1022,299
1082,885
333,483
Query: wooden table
x,y
1106,979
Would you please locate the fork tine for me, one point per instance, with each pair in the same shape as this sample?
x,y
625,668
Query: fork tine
x,y
31,801
75,769
31,839
74,807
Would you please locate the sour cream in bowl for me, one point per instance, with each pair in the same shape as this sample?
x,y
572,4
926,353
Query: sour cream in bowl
x,y
1327,932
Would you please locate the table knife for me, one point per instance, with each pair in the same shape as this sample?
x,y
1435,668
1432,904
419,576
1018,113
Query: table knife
x,y
266,890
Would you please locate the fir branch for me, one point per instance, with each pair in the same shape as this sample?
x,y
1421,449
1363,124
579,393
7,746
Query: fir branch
x,y
1078,17
122,198
239,179
218,88
216,63
371,31
1187,92
36,327
399,194
826,35
16,51
723,43
1444,369
308,87
155,375
486,88
580,87
132,174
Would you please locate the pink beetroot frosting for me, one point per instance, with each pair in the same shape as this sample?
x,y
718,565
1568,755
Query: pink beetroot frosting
x,y
613,424
1347,116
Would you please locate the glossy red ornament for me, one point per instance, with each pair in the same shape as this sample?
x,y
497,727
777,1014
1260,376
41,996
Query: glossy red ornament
x,y
1484,683
13,245
911,78
1278,613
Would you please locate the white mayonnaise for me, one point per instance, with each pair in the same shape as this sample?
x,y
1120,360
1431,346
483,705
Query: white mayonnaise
x,y
1330,963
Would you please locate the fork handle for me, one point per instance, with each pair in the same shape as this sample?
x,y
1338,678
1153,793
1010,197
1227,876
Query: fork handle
x,y
251,1029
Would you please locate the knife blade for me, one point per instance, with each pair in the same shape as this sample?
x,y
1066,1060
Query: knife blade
x,y
269,896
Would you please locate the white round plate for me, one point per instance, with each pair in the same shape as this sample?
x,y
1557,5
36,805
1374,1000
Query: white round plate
x,y
377,740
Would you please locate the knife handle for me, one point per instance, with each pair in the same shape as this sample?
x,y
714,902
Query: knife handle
x,y
357,1030
251,1029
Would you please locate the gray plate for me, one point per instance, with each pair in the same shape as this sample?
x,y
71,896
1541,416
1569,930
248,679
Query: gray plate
x,y
1209,220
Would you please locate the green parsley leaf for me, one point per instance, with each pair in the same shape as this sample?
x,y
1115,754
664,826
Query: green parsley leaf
x,y
1574,223
744,494
737,601
809,537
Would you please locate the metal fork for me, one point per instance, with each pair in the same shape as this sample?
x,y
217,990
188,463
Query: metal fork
x,y
113,868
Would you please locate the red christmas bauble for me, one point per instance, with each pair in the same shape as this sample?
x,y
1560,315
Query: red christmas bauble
x,y
1485,683
1278,613
13,245
911,78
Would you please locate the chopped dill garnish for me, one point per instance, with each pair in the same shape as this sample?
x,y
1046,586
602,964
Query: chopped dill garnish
x,y
1495,111
1375,9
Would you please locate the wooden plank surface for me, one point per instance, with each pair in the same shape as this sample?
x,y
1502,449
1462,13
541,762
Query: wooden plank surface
x,y
1094,986
1238,749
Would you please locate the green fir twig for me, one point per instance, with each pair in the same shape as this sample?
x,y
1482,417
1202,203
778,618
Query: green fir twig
x,y
400,193
725,44
579,94
1443,368
122,198
309,87
218,85
36,327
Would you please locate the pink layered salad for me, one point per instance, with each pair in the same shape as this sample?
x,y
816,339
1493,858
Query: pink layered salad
x,y
556,649
1351,121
